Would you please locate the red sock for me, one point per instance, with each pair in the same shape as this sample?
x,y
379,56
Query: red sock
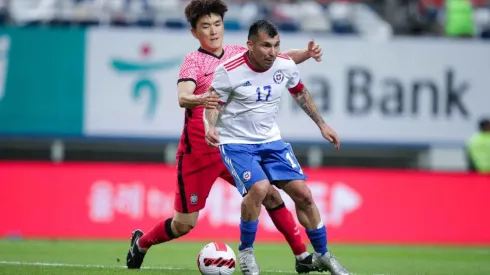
x,y
160,233
283,220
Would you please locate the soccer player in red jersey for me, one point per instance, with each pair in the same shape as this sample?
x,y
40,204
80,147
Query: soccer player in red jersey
x,y
198,164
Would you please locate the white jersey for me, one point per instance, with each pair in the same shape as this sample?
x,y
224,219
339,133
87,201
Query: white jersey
x,y
251,98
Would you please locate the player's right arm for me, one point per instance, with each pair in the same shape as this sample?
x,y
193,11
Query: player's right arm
x,y
187,98
186,85
210,118
221,86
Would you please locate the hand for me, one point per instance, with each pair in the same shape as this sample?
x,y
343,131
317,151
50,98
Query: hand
x,y
330,135
315,51
212,137
210,100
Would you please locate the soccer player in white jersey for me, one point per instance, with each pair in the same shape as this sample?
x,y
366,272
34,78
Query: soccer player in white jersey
x,y
198,165
250,86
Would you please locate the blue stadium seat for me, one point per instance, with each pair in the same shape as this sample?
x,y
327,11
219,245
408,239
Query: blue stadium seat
x,y
232,25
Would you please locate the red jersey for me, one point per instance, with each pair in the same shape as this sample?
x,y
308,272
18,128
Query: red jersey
x,y
199,67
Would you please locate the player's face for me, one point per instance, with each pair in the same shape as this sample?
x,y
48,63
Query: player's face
x,y
265,49
209,31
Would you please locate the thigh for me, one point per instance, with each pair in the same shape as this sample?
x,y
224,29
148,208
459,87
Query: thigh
x,y
196,175
279,162
243,165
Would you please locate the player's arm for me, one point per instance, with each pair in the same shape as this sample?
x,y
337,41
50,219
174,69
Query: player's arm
x,y
211,115
221,86
303,98
187,98
305,101
301,55
186,84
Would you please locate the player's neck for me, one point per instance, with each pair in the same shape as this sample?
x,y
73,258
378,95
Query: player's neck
x,y
253,63
216,52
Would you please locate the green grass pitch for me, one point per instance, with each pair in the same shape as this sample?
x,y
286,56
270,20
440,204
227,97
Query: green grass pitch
x,y
38,257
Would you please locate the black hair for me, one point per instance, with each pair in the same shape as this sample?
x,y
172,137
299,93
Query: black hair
x,y
262,25
197,8
484,124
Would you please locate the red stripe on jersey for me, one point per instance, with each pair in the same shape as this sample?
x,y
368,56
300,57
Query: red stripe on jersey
x,y
239,62
235,66
232,62
297,89
220,247
252,67
282,55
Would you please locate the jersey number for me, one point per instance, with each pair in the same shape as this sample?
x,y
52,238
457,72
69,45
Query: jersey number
x,y
263,92
288,156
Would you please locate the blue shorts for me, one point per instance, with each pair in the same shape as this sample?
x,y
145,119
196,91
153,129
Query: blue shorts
x,y
250,163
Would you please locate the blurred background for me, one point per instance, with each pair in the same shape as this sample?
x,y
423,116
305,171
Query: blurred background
x,y
455,27
89,120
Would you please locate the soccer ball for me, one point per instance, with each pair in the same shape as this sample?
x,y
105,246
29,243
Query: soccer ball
x,y
216,259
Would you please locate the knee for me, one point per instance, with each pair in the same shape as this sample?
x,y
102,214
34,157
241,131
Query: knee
x,y
273,199
258,192
181,229
303,198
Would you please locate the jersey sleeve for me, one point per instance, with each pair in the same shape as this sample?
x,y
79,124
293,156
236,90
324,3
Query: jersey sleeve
x,y
221,84
294,84
188,70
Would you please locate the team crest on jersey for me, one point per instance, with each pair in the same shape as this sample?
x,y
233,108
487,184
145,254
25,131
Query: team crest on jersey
x,y
247,175
193,198
278,77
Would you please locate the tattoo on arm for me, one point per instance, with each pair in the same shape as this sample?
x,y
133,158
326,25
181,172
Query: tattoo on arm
x,y
211,116
306,103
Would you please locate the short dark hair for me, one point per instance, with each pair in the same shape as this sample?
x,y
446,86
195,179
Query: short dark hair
x,y
262,25
484,124
197,8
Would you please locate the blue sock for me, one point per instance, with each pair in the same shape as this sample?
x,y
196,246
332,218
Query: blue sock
x,y
318,239
248,230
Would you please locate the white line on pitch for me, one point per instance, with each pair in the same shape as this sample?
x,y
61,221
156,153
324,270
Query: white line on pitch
x,y
117,266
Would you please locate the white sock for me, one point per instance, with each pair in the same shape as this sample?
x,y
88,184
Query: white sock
x,y
302,256
320,225
321,255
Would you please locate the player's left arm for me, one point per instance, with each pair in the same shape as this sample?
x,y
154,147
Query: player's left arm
x,y
303,98
305,101
313,50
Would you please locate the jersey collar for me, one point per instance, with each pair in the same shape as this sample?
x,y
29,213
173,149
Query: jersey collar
x,y
250,65
212,54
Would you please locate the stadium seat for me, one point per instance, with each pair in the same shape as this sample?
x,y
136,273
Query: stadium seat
x,y
25,11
